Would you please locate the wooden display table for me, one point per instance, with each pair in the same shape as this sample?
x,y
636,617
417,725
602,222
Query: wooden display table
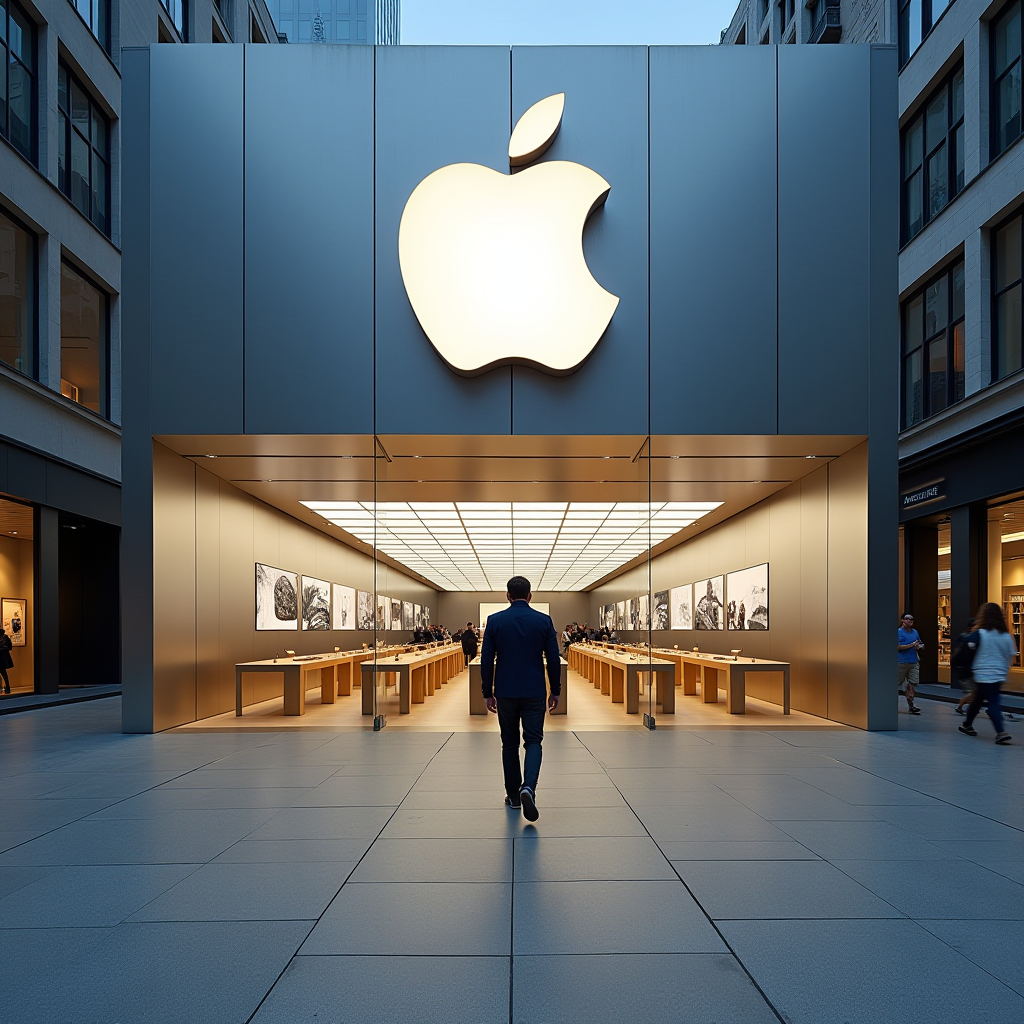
x,y
334,673
420,673
714,671
477,704
616,673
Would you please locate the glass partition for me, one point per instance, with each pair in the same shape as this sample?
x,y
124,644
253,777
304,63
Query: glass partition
x,y
386,681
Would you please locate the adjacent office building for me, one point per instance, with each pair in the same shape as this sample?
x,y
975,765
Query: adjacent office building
x,y
961,382
362,22
60,317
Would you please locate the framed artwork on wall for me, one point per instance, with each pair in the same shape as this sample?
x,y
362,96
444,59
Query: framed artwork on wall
x,y
620,615
383,612
662,617
417,616
364,609
709,609
426,615
681,601
396,613
316,604
608,616
644,618
633,613
277,598
747,594
15,618
344,607
408,608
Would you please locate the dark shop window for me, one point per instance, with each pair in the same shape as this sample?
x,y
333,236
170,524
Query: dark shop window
x,y
1006,298
83,160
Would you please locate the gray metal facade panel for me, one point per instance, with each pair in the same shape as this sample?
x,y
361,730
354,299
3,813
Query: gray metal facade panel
x,y
434,106
604,127
713,240
308,239
824,218
196,97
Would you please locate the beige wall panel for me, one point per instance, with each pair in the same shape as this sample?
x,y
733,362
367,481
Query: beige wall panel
x,y
237,636
456,609
208,597
266,535
813,593
848,588
17,573
174,590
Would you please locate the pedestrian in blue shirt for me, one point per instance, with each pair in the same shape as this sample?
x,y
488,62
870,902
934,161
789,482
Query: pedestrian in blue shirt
x,y
908,643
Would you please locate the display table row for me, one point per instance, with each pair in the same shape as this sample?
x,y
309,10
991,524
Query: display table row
x,y
334,673
710,672
477,704
418,675
618,673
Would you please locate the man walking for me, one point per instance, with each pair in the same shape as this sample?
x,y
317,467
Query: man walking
x,y
469,644
908,643
522,639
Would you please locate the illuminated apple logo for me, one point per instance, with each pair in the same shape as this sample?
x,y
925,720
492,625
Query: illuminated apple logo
x,y
493,263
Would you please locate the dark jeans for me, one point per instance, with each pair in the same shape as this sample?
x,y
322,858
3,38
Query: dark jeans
x,y
530,712
986,692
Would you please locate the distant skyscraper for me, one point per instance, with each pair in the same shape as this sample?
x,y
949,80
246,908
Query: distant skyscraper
x,y
338,21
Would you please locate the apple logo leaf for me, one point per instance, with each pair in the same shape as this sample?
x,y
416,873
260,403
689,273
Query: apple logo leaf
x,y
536,130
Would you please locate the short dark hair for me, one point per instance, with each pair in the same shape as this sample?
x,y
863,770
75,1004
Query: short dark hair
x,y
519,588
907,615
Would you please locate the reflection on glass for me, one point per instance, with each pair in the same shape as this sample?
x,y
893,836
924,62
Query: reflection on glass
x,y
83,341
17,297
1008,332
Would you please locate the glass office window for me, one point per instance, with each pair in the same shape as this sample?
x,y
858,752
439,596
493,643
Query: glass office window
x,y
96,14
177,11
83,150
1006,288
18,81
83,341
933,155
17,296
916,20
933,347
1005,62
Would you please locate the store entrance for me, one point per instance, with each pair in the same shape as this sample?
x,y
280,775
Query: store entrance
x,y
673,566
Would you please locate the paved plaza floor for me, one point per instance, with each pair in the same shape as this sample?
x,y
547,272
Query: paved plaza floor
x,y
686,875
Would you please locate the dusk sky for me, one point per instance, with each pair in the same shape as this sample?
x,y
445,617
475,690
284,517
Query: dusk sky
x,y
565,21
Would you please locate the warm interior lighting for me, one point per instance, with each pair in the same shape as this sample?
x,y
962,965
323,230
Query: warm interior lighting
x,y
1010,537
475,546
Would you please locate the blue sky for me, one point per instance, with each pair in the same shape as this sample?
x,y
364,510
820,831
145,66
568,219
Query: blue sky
x,y
565,21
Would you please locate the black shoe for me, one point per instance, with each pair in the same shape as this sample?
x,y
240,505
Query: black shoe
x,y
530,812
967,730
508,803
913,709
959,710
1003,737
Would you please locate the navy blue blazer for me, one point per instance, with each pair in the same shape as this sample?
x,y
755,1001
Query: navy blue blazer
x,y
522,639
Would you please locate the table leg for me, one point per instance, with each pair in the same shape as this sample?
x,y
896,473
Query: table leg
x,y
238,693
294,690
737,696
785,690
404,695
418,681
691,676
328,684
618,683
632,693
345,672
666,692
708,684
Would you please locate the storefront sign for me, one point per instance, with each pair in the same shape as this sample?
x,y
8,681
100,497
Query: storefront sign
x,y
923,495
493,263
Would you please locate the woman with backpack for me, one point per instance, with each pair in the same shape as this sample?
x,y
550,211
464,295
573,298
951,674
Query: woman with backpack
x,y
6,661
990,667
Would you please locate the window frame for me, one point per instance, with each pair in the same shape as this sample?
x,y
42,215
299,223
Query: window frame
x,y
928,22
168,8
928,340
66,132
994,79
33,296
949,140
104,374
995,374
8,59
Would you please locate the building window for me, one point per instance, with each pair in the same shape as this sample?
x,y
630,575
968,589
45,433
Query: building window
x,y
177,11
18,102
1006,46
1006,296
933,346
83,155
96,14
933,155
84,341
17,296
916,20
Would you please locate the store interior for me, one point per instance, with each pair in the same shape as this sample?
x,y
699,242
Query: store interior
x,y
288,547
17,574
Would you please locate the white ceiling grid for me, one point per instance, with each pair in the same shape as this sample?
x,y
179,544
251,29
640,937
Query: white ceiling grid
x,y
478,546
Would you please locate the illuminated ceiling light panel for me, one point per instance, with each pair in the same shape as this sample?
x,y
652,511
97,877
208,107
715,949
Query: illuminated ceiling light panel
x,y
474,546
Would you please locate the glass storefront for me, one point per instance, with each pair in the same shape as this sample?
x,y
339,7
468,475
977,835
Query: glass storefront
x,y
1007,521
17,588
